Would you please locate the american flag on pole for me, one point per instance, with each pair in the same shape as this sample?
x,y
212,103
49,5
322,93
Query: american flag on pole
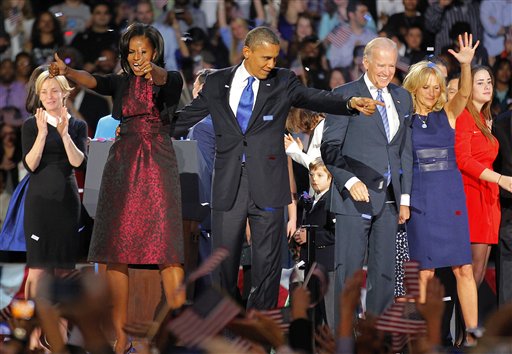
x,y
211,312
340,35
402,319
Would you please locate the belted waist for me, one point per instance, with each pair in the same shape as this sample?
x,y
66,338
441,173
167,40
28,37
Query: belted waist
x,y
144,125
438,159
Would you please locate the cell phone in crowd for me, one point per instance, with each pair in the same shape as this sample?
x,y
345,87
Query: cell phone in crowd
x,y
22,309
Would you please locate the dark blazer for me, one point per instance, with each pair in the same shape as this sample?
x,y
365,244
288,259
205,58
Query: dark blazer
x,y
324,234
503,162
357,146
262,143
168,95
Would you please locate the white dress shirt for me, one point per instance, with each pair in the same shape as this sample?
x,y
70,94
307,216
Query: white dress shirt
x,y
238,85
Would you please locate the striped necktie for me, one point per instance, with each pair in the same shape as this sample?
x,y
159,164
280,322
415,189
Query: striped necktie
x,y
383,114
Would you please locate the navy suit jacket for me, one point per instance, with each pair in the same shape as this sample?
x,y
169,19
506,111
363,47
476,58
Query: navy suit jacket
x,y
357,146
262,143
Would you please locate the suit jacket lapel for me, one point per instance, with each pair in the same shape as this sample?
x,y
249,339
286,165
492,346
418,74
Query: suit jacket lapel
x,y
264,90
224,89
398,107
365,92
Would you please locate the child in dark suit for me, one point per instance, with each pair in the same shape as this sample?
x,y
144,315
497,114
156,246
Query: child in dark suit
x,y
319,214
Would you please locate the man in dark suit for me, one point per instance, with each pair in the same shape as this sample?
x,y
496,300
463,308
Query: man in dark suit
x,y
503,165
249,104
371,163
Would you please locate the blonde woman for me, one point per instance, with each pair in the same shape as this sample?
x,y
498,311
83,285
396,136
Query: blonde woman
x,y
54,144
438,228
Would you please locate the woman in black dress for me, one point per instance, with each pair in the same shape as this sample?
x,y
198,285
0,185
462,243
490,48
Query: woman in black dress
x,y
138,219
53,144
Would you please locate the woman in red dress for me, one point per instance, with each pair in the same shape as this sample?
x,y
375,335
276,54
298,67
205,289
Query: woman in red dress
x,y
475,149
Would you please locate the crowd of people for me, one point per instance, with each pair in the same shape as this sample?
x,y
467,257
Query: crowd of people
x,y
336,134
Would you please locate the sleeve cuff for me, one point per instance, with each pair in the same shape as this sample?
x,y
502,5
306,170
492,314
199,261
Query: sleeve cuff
x,y
405,199
351,182
293,149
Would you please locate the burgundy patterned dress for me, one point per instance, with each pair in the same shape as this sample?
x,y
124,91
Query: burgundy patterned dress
x,y
138,219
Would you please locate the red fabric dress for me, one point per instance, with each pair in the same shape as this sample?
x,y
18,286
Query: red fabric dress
x,y
138,220
474,154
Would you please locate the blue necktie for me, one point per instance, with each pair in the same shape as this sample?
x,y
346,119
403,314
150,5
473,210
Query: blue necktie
x,y
383,114
244,111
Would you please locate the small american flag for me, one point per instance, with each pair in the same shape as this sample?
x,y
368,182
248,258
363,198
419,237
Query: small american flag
x,y
402,319
15,16
209,264
211,312
340,35
411,279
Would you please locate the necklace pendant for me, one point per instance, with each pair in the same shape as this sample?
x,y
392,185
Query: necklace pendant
x,y
424,125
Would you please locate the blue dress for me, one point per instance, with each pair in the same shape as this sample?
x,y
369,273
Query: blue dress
x,y
438,229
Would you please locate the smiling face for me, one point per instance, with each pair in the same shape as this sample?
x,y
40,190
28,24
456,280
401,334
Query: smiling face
x,y
482,87
381,66
261,59
139,51
428,94
51,96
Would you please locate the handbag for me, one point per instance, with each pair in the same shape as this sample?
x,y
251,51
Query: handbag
x,y
12,236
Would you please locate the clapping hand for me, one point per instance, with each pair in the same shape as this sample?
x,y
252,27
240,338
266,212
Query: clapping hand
x,y
466,49
41,121
63,124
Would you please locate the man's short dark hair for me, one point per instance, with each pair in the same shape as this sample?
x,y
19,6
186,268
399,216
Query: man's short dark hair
x,y
353,4
261,35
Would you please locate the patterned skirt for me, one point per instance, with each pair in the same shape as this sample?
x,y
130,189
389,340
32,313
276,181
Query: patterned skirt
x,y
138,219
402,256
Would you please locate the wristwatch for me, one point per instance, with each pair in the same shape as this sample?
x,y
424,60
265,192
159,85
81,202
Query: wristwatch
x,y
349,104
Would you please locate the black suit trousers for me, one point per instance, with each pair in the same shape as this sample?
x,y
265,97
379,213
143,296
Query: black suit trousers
x,y
267,229
355,237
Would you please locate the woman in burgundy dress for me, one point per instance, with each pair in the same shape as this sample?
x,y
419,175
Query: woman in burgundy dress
x,y
138,219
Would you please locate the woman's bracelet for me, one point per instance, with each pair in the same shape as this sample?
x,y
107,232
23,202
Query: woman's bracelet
x,y
498,181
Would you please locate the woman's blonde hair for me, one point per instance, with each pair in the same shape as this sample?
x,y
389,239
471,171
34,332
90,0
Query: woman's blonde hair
x,y
418,76
61,80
